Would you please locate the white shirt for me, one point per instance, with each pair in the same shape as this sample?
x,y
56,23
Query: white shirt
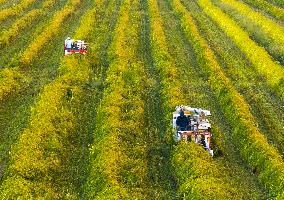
x,y
68,43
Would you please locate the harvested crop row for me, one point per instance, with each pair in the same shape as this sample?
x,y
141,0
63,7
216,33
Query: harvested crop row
x,y
262,29
267,110
186,157
7,35
51,30
41,160
272,10
260,59
252,144
118,155
15,10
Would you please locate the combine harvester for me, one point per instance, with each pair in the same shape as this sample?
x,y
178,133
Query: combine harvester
x,y
72,46
191,124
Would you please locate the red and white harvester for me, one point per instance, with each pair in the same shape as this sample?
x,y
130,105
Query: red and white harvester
x,y
72,46
198,129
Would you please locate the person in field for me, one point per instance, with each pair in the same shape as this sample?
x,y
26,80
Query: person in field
x,y
68,43
182,122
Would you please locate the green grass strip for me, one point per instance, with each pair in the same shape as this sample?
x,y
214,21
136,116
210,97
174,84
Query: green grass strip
x,y
13,79
279,3
118,155
186,157
15,10
7,35
263,30
33,50
40,161
260,59
269,26
267,7
262,157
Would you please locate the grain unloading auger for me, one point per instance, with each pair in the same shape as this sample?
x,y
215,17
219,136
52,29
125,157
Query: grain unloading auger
x,y
191,124
72,46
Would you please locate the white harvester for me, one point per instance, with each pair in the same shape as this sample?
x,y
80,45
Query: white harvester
x,y
191,124
72,46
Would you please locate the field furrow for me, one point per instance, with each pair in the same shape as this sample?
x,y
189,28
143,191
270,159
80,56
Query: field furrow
x,y
118,154
100,40
98,123
17,9
267,109
279,3
198,93
261,60
263,158
25,21
45,157
14,108
267,8
263,30
160,172
185,157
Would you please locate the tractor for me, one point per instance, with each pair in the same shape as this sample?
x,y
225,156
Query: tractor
x,y
72,46
197,128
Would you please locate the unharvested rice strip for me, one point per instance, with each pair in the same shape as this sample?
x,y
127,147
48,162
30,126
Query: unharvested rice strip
x,y
26,20
15,10
267,110
253,146
41,157
11,80
119,151
269,26
10,83
263,30
265,6
199,94
261,60
49,32
186,157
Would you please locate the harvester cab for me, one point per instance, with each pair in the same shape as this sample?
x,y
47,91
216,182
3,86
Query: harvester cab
x,y
72,46
197,128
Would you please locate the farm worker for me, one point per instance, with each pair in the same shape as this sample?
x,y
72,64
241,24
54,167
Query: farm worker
x,y
68,43
182,121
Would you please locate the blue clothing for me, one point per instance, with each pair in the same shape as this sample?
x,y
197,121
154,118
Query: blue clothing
x,y
182,121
